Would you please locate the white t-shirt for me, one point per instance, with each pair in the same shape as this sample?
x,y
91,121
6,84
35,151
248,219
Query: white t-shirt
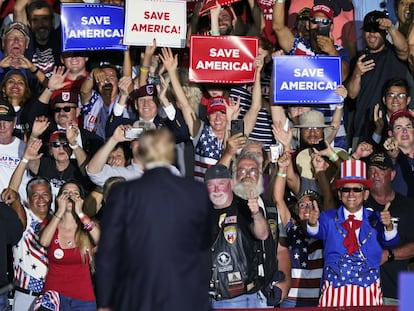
x,y
10,156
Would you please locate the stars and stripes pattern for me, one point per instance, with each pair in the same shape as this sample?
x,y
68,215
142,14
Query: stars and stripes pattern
x,y
351,295
208,151
30,258
307,264
50,300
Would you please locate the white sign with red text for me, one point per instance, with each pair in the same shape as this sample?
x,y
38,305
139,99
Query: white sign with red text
x,y
223,59
163,20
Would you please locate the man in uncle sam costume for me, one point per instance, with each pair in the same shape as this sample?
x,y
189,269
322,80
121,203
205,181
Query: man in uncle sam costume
x,y
353,238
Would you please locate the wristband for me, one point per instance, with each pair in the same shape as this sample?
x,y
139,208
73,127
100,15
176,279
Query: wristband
x,y
333,156
49,89
281,175
60,218
24,160
280,1
143,69
35,71
73,147
80,215
214,32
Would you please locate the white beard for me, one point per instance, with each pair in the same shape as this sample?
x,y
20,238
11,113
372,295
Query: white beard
x,y
244,187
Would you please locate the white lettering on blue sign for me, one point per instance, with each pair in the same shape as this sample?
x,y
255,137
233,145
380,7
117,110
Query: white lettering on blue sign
x,y
308,86
308,72
95,33
95,20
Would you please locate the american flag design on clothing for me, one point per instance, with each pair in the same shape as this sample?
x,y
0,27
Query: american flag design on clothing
x,y
352,269
50,300
208,151
307,264
29,258
351,295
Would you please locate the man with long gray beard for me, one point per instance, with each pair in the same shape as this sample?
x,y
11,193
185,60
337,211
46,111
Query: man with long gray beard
x,y
241,274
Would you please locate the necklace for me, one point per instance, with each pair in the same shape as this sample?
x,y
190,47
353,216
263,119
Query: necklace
x,y
69,242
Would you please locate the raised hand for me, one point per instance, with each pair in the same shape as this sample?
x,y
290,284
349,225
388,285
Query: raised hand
x,y
253,203
40,125
386,217
314,214
57,79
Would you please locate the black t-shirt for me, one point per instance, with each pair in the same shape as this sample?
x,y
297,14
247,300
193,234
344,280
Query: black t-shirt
x,y
403,208
387,66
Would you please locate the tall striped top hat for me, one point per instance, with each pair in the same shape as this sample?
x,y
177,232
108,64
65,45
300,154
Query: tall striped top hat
x,y
353,171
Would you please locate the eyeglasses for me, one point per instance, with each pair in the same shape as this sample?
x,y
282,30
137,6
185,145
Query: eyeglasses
x,y
398,96
323,21
400,128
65,109
353,189
304,205
57,144
248,171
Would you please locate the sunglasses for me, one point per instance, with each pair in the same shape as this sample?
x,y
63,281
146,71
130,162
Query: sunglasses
x,y
65,109
323,21
57,144
353,189
398,96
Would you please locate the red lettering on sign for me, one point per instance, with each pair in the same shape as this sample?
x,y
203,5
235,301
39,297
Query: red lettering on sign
x,y
157,15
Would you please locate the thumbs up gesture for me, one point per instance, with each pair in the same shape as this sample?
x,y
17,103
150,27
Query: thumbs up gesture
x,y
386,217
314,214
253,203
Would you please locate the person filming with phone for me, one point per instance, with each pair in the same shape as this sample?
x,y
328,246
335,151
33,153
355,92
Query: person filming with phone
x,y
319,42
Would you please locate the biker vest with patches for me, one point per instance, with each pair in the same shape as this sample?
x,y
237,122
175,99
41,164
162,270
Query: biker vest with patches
x,y
238,258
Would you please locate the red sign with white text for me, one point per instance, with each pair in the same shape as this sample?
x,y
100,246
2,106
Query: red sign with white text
x,y
223,59
210,4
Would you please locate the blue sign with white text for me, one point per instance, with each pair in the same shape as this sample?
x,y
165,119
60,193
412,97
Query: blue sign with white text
x,y
87,27
306,79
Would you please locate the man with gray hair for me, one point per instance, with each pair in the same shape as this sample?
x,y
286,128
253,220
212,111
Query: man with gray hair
x,y
242,236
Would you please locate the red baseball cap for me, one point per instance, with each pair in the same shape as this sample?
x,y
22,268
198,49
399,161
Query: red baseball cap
x,y
321,8
217,103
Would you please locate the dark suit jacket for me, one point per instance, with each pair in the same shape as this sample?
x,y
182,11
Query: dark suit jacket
x,y
154,247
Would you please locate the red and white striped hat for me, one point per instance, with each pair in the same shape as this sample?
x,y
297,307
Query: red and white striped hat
x,y
353,171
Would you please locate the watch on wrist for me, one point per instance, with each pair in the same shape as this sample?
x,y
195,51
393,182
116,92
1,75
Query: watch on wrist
x,y
391,255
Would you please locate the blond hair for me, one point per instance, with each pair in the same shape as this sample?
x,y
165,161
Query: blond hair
x,y
157,146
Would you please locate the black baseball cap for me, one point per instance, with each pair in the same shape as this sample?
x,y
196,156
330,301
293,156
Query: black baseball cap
x,y
217,171
370,21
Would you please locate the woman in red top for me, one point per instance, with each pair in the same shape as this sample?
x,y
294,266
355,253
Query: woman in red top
x,y
69,237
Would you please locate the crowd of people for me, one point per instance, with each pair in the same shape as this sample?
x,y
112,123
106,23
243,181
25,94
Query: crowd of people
x,y
126,186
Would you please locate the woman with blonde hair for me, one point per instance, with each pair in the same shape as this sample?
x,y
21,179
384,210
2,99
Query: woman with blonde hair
x,y
70,237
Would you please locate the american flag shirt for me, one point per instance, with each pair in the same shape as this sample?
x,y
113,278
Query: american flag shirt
x,y
306,255
29,257
208,150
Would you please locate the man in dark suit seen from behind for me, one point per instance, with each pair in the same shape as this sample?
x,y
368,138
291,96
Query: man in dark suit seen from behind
x,y
154,248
